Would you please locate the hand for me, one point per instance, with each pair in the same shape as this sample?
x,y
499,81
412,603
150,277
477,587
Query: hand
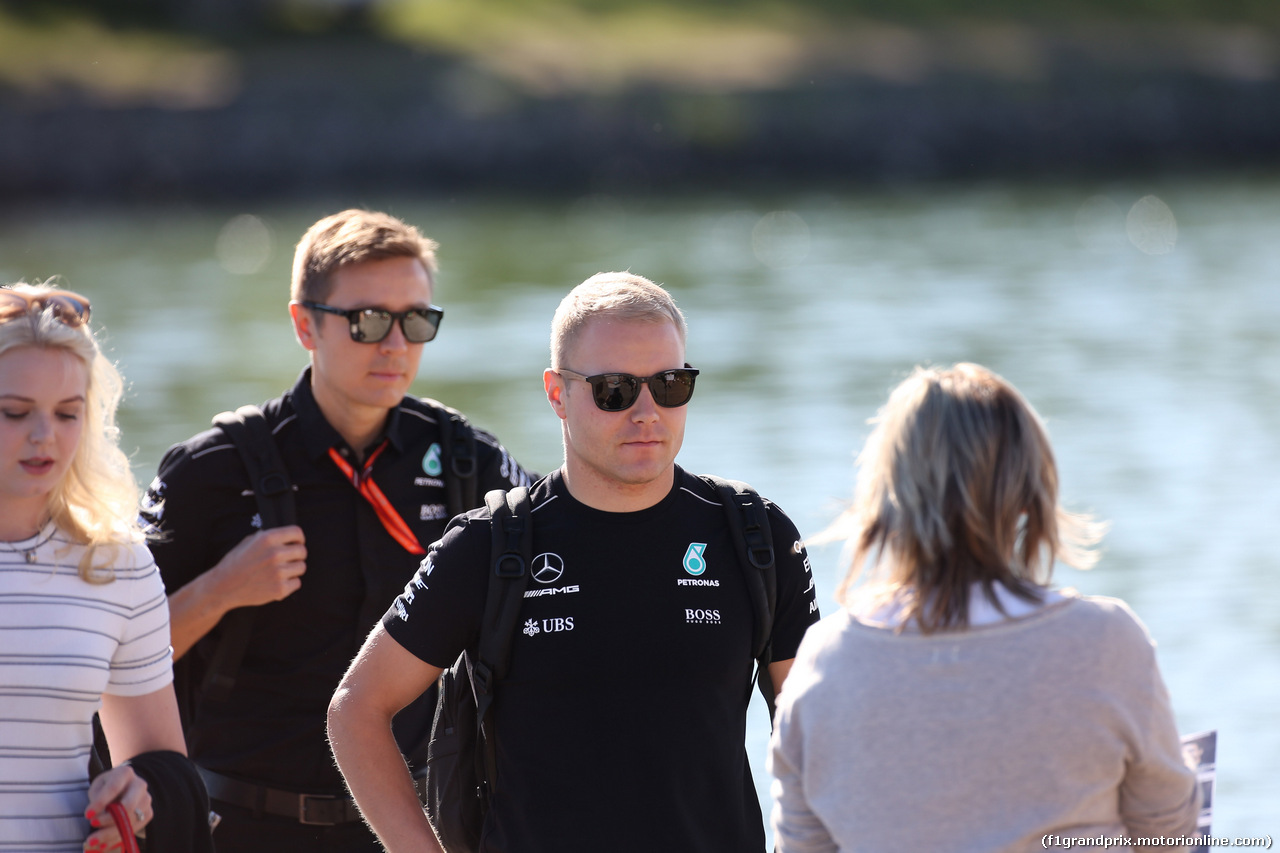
x,y
122,785
266,566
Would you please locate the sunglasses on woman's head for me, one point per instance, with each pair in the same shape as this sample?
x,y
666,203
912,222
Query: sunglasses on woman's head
x,y
617,392
372,325
69,308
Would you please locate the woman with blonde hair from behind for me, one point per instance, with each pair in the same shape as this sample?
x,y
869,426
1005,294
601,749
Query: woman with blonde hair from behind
x,y
83,616
957,702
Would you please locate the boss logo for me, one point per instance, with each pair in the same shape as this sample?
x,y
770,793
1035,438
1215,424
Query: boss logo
x,y
432,512
700,616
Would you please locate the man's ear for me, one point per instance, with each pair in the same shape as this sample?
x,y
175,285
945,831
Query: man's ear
x,y
553,384
304,325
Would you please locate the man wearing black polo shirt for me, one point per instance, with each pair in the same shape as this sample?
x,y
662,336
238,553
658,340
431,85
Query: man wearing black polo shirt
x,y
621,721
366,462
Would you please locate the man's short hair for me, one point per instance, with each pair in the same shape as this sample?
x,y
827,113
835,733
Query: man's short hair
x,y
351,237
617,295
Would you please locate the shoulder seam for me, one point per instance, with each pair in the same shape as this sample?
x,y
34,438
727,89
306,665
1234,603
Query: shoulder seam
x,y
689,491
275,429
209,450
417,414
545,502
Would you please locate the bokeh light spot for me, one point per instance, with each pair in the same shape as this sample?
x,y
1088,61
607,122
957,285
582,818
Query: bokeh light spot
x,y
244,245
1151,226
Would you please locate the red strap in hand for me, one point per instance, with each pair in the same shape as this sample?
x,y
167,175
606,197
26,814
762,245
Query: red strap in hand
x,y
127,840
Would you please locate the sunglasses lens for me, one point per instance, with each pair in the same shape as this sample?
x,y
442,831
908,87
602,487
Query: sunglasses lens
x,y
71,310
371,326
614,392
673,388
420,325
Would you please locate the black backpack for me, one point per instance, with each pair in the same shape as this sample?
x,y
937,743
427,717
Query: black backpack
x,y
461,772
248,430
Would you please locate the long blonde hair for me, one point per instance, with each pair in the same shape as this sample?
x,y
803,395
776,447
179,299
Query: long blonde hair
x,y
96,501
958,485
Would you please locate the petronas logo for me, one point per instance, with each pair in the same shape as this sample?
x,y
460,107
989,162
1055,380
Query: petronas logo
x,y
694,564
431,462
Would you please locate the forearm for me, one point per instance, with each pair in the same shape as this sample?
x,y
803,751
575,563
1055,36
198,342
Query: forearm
x,y
378,777
137,724
778,672
194,610
265,566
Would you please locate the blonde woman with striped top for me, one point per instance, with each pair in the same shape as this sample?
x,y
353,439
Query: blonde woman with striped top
x,y
84,624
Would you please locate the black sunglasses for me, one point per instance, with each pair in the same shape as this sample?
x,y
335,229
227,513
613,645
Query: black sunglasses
x,y
617,392
371,325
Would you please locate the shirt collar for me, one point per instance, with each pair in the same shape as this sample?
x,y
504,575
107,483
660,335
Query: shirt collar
x,y
318,435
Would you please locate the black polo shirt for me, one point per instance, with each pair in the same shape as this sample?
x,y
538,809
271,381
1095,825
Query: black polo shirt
x,y
272,728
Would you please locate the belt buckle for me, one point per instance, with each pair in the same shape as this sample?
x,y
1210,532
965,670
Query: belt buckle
x,y
305,799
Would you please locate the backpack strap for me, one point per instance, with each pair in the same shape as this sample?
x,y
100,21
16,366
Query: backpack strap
x,y
749,523
249,431
458,449
511,552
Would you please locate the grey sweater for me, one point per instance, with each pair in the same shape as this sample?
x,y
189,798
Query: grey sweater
x,y
985,739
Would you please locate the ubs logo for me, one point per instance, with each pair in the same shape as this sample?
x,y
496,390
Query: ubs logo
x,y
533,627
547,567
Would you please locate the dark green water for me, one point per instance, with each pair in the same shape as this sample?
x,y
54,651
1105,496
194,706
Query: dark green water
x,y
1147,332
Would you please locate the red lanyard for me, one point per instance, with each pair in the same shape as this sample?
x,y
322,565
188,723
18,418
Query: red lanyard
x,y
387,514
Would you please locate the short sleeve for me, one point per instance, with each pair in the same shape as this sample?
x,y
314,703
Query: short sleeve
x,y
438,614
143,661
170,512
797,605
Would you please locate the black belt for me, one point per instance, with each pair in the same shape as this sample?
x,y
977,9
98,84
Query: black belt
x,y
310,809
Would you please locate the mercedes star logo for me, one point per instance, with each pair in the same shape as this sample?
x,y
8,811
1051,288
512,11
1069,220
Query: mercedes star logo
x,y
547,568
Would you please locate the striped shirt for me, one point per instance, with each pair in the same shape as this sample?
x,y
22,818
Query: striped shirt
x,y
63,643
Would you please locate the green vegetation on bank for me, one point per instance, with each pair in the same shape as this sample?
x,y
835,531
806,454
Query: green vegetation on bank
x,y
310,15
924,13
67,53
188,52
554,46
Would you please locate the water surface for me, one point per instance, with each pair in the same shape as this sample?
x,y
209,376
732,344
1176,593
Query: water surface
x,y
1142,319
